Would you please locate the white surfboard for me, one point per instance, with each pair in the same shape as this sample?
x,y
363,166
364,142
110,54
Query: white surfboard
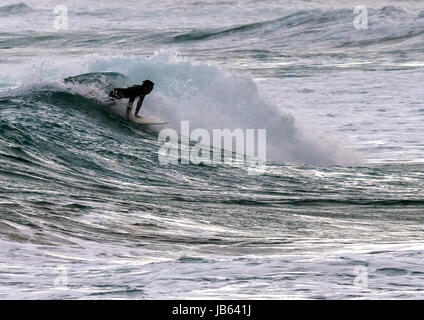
x,y
148,121
144,120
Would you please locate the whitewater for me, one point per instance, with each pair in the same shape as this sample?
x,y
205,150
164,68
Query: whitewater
x,y
87,210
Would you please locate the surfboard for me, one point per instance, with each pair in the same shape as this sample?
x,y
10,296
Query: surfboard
x,y
144,120
148,121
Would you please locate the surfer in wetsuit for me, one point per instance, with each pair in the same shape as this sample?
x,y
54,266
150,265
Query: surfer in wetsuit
x,y
131,93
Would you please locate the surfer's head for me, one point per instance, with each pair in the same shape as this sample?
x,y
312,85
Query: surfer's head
x,y
147,86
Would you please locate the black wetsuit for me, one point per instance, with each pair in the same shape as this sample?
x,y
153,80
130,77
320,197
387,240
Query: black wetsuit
x,y
131,93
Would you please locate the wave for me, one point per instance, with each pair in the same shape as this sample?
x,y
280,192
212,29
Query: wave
x,y
204,95
389,27
291,20
332,28
15,9
202,34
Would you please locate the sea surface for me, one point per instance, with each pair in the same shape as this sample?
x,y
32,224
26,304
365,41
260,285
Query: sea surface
x,y
87,210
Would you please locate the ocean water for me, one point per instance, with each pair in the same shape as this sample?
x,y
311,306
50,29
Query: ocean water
x,y
87,210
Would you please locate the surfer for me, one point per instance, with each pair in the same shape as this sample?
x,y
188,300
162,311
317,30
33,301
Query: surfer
x,y
131,93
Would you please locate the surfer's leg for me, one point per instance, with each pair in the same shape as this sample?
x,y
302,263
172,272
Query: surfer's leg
x,y
117,93
114,94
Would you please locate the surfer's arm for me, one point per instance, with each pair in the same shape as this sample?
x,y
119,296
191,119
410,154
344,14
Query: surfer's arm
x,y
129,107
139,103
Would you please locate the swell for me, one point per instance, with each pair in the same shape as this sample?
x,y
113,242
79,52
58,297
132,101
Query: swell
x,y
15,9
330,28
386,25
202,34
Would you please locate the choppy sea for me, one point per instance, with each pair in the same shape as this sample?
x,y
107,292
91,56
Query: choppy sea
x,y
87,210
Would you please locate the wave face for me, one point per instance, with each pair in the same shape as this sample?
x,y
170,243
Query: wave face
x,y
88,211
